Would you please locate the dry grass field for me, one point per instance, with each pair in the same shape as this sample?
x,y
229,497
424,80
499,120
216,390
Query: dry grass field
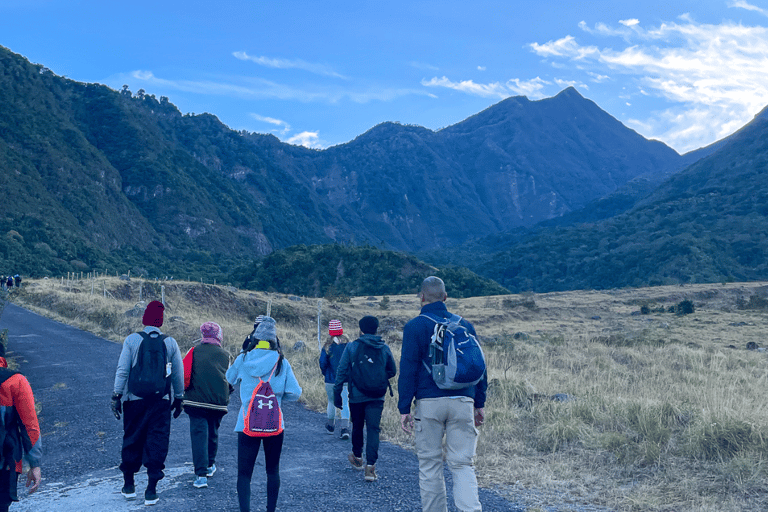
x,y
606,398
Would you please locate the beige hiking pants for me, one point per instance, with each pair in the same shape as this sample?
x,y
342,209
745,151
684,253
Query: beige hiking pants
x,y
452,418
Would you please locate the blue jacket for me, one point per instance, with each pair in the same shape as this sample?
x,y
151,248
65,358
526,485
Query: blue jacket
x,y
329,361
345,368
415,381
258,363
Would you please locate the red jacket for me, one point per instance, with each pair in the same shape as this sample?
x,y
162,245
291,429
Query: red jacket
x,y
15,393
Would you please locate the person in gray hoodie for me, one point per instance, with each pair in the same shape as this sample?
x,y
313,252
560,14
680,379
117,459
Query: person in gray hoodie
x,y
257,361
364,410
146,421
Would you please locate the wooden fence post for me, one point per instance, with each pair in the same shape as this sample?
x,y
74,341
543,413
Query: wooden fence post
x,y
319,312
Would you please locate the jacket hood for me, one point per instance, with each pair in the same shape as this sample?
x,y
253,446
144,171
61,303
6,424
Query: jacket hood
x,y
372,340
259,362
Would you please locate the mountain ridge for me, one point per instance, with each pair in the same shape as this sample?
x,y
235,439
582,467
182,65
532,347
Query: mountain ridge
x,y
111,177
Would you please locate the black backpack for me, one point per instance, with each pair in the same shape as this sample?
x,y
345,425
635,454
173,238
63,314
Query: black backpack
x,y
369,370
10,436
150,376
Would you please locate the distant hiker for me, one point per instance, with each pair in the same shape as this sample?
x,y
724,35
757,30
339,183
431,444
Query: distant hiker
x,y
20,433
453,414
260,360
17,281
366,365
9,282
330,356
206,396
149,372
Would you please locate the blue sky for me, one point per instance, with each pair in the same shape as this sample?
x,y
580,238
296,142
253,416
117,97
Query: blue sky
x,y
686,72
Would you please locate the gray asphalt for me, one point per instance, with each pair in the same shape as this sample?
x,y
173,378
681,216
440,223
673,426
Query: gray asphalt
x,y
72,372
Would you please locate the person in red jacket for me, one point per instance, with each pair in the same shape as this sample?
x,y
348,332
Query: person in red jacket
x,y
18,421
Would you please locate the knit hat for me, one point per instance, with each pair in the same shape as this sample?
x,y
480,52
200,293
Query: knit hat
x,y
153,315
369,324
258,321
334,328
266,330
212,333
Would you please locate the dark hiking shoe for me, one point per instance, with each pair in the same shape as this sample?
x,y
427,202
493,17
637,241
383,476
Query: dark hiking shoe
x,y
370,473
357,462
329,428
344,434
151,497
129,492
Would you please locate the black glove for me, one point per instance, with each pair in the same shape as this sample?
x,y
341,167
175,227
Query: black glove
x,y
176,407
116,405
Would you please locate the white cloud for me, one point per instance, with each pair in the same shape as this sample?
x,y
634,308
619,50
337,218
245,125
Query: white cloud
x,y
257,88
714,76
531,88
319,69
494,90
282,125
597,77
630,23
423,66
306,139
570,83
481,68
741,4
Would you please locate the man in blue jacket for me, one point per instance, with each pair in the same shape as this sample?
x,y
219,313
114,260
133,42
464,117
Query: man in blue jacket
x,y
453,414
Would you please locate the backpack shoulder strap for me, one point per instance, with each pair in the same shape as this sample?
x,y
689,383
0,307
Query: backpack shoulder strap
x,y
6,374
455,318
434,318
270,373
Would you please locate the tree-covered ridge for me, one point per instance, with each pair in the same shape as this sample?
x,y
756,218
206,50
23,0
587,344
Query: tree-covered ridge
x,y
706,224
333,270
99,175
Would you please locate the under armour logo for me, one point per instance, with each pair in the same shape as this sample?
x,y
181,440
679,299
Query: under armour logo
x,y
263,404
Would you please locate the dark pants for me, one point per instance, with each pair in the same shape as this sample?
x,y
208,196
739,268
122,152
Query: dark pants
x,y
8,481
366,415
204,432
247,450
147,430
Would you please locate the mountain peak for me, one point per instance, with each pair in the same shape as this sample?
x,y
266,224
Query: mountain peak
x,y
569,93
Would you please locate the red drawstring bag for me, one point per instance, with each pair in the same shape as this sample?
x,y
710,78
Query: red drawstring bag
x,y
263,417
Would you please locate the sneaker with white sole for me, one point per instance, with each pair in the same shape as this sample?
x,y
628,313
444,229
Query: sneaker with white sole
x,y
200,482
370,473
151,497
344,434
129,492
211,470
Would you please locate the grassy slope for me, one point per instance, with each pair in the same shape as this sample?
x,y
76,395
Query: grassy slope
x,y
664,414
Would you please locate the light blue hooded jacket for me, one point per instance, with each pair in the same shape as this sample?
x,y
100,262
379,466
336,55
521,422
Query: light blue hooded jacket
x,y
258,363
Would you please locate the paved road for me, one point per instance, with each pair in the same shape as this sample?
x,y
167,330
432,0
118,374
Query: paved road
x,y
72,373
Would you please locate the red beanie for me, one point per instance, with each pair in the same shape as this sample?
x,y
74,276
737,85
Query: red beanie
x,y
334,328
153,315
